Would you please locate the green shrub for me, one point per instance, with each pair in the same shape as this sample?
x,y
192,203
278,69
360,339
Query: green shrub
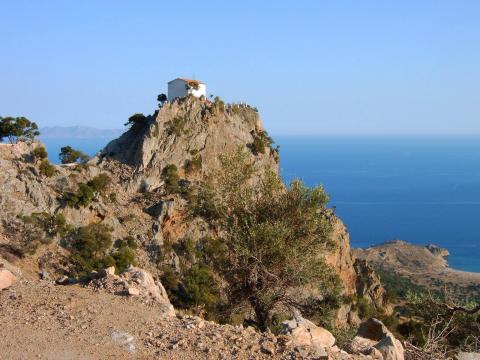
x,y
40,153
171,179
365,308
112,197
89,247
176,126
100,183
90,250
193,165
258,145
47,169
200,287
81,198
261,141
124,256
219,104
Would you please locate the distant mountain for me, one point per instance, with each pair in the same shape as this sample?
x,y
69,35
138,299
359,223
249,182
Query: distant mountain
x,y
78,132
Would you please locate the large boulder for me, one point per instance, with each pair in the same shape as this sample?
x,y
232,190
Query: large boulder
x,y
373,335
7,279
467,356
304,333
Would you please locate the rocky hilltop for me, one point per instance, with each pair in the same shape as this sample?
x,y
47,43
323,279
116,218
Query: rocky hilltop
x,y
181,141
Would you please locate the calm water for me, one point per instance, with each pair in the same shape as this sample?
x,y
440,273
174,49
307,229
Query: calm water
x,y
418,189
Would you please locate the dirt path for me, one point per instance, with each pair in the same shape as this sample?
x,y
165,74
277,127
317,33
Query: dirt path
x,y
40,320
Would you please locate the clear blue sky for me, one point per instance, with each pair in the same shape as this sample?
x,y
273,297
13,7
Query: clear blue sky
x,y
311,67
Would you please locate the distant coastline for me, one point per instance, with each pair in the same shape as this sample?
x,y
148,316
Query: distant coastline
x,y
78,132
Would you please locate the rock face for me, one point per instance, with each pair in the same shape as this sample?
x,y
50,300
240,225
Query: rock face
x,y
368,284
372,335
181,131
7,279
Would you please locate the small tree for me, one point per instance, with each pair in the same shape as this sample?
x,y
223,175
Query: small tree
x,y
137,118
89,246
162,99
17,129
40,153
272,238
47,169
69,155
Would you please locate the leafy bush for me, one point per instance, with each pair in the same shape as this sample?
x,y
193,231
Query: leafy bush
x,y
171,179
90,250
47,169
81,198
17,129
40,153
200,287
124,255
70,155
89,246
272,237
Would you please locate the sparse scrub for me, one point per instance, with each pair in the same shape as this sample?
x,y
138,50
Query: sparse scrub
x,y
47,169
90,250
176,126
194,164
81,198
100,183
171,179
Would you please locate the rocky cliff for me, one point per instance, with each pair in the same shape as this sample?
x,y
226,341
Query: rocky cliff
x,y
188,134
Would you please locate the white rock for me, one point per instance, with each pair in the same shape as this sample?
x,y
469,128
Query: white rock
x,y
132,291
7,279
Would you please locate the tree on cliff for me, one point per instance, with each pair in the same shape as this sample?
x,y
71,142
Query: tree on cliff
x,y
17,129
162,98
70,155
271,238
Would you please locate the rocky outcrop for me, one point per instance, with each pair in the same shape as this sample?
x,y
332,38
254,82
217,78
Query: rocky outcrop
x,y
368,285
372,337
7,279
134,282
180,132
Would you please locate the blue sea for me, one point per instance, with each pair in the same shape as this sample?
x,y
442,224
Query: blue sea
x,y
418,189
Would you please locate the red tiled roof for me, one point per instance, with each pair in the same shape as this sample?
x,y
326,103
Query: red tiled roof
x,y
187,80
